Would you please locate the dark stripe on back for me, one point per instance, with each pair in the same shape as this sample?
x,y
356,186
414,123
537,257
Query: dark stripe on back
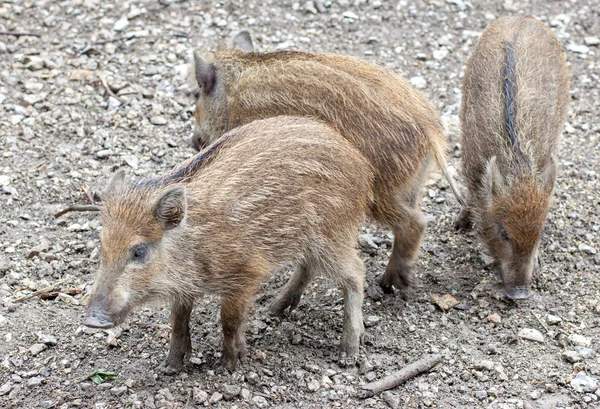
x,y
187,172
510,91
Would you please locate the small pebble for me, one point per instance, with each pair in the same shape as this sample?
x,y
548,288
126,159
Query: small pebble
x,y
531,334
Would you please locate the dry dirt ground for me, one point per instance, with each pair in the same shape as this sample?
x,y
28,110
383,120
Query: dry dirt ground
x,y
62,131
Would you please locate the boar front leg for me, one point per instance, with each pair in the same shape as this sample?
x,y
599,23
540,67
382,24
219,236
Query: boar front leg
x,y
180,349
234,310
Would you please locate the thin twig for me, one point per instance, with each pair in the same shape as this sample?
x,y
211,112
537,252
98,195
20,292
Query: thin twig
x,y
41,291
78,208
110,92
541,323
89,196
19,34
89,46
150,325
415,369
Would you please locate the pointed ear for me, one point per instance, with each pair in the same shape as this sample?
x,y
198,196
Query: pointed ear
x,y
170,207
117,182
493,181
205,73
548,177
243,41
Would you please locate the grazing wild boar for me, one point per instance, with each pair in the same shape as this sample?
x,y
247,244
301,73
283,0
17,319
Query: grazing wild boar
x,y
515,98
388,121
280,190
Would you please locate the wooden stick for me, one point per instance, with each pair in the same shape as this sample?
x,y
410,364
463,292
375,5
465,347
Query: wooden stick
x,y
42,291
109,91
78,208
415,369
19,34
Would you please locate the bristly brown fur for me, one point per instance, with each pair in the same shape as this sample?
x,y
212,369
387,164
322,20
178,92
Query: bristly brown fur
x,y
515,99
285,189
391,124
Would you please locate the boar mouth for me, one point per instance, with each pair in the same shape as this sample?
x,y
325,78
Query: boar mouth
x,y
97,319
517,293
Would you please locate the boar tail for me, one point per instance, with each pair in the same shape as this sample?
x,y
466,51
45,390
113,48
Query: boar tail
x,y
439,153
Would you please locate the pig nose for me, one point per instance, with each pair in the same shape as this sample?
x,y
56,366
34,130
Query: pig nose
x,y
519,292
97,319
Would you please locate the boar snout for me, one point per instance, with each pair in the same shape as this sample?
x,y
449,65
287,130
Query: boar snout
x,y
97,317
518,292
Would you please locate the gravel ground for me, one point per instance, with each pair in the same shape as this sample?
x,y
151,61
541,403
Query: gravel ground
x,y
104,87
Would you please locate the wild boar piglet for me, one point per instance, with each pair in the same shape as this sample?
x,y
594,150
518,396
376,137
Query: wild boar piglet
x,y
515,99
275,191
388,121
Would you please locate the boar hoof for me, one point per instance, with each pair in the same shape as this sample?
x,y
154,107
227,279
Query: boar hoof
x,y
169,368
517,293
280,306
401,280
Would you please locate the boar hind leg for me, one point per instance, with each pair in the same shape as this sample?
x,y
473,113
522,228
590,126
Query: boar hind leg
x,y
180,349
289,296
349,271
407,224
234,310
464,221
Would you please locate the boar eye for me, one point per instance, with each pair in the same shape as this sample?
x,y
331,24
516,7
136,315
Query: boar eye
x,y
503,234
139,252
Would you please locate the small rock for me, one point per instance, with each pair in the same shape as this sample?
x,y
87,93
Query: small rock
x,y
200,396
584,383
35,349
531,334
392,399
131,161
150,70
584,352
584,248
579,340
445,302
579,49
118,390
260,401
216,397
591,41
104,153
495,318
313,385
231,391
350,15
484,364
245,394
481,395
46,339
296,339
158,120
553,319
35,381
418,82
571,356
440,54
121,24
6,388
371,320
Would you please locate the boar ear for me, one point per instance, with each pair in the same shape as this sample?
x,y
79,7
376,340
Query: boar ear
x,y
493,180
243,41
205,73
170,207
117,182
548,176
